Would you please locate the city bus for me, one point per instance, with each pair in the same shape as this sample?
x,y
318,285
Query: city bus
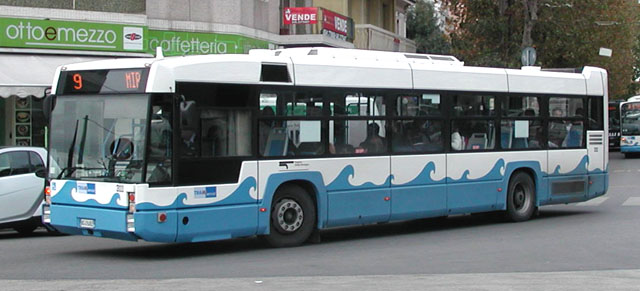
x,y
614,125
630,126
284,143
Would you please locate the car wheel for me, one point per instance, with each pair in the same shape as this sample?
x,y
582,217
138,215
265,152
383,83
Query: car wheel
x,y
26,229
293,217
521,196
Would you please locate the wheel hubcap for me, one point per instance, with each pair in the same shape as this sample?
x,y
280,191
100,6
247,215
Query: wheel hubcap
x,y
519,197
290,215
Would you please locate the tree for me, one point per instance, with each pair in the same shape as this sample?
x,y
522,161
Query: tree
x,y
634,87
423,27
565,33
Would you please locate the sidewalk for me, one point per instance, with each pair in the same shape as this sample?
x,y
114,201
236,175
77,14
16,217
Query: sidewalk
x,y
582,280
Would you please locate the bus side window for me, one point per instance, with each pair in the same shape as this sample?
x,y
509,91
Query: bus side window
x,y
595,114
160,143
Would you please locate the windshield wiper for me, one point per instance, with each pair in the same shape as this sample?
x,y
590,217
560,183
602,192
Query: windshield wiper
x,y
72,149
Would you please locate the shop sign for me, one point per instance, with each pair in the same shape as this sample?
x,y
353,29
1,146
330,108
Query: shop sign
x,y
53,34
335,22
300,15
177,43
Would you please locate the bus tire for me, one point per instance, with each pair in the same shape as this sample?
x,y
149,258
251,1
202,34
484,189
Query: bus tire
x,y
521,197
26,229
293,217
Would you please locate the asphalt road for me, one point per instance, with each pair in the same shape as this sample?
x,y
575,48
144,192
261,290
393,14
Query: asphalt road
x,y
596,243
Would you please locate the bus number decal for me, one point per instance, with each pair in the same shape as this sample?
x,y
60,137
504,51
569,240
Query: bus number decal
x,y
77,78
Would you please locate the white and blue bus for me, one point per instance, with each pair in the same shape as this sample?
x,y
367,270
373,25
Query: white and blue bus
x,y
630,126
284,143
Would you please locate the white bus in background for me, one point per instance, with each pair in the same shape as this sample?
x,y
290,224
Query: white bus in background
x,y
283,143
630,126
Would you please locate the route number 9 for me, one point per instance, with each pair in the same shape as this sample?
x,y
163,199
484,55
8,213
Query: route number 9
x,y
77,79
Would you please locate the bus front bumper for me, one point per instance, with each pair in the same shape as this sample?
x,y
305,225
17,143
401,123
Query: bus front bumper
x,y
629,149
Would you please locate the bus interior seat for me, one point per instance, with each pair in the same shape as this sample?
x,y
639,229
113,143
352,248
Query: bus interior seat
x,y
505,137
574,136
310,148
276,142
491,137
520,143
477,141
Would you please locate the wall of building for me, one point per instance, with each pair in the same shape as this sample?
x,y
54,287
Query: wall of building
x,y
338,6
120,6
260,14
358,11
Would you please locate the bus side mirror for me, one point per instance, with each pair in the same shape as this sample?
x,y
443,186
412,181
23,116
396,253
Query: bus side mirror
x,y
48,105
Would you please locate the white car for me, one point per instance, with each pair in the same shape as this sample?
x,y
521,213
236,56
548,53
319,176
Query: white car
x,y
22,172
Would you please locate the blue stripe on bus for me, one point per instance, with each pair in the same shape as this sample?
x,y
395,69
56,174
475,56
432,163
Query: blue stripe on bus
x,y
64,197
241,195
424,178
580,169
493,174
353,204
341,182
629,148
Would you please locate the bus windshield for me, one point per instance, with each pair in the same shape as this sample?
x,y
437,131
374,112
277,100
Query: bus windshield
x,y
99,137
630,121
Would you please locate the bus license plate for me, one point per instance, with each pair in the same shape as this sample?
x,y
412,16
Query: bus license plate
x,y
87,223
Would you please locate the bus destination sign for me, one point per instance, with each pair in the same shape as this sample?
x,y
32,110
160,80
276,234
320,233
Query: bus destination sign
x,y
104,81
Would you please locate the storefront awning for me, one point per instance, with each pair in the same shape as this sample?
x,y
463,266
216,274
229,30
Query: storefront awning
x,y
25,75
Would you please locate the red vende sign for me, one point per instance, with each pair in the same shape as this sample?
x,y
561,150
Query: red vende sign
x,y
334,22
300,15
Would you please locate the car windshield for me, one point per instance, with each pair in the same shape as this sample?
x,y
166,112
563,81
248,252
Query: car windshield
x,y
99,137
630,120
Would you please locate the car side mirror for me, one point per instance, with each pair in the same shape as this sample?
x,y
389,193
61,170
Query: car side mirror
x,y
41,173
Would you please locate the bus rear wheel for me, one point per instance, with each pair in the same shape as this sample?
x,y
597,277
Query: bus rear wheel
x,y
521,196
293,217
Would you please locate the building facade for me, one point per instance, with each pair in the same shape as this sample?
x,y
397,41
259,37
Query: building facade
x,y
38,36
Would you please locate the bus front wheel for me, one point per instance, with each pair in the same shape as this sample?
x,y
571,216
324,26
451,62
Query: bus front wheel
x,y
521,197
293,217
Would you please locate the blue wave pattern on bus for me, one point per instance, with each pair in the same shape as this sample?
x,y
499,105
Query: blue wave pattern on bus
x,y
494,174
424,178
631,141
64,196
239,196
341,182
631,144
580,169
